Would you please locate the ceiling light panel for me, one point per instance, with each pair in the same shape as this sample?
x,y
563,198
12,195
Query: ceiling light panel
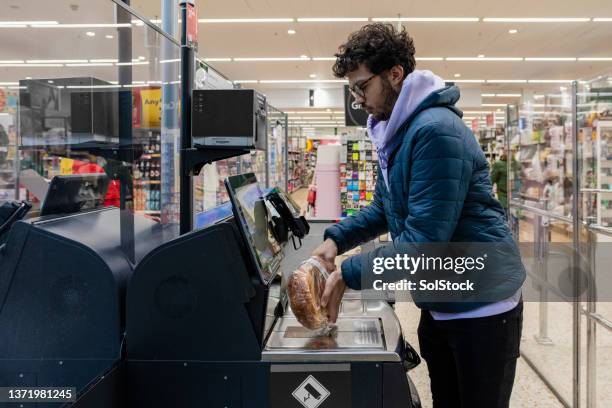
x,y
268,59
484,59
536,20
549,59
429,19
82,25
58,61
332,19
244,20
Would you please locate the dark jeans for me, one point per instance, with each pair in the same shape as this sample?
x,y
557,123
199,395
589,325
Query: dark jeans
x,y
471,362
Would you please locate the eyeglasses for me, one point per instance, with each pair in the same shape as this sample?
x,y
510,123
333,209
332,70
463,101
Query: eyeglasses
x,y
358,90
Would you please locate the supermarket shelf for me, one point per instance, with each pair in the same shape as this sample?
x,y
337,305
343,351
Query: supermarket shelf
x,y
139,182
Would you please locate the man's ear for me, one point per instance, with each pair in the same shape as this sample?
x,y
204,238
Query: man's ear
x,y
396,75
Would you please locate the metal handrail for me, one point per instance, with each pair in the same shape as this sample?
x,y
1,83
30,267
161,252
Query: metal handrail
x,y
541,212
596,190
600,229
598,318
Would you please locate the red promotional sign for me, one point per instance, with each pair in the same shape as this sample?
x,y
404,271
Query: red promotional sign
x,y
192,25
490,120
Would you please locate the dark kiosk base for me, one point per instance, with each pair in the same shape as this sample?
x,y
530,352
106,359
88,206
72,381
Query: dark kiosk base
x,y
191,323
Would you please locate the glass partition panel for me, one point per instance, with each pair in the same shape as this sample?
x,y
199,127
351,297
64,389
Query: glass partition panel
x,y
277,148
89,119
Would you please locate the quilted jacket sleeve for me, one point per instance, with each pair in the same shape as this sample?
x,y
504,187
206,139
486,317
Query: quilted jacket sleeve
x,y
440,171
367,224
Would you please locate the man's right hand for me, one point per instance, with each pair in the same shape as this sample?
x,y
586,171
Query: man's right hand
x,y
327,252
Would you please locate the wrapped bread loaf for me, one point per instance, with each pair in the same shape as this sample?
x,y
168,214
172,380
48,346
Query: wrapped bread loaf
x,y
305,288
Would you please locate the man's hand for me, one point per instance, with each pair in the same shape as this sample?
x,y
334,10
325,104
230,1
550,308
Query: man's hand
x,y
332,296
327,252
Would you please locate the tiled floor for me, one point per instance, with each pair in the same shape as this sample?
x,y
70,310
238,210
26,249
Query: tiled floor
x,y
529,390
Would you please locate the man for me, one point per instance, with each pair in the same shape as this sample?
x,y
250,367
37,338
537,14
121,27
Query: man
x,y
433,186
499,177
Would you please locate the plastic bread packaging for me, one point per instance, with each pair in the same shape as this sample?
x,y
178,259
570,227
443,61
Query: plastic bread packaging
x,y
305,288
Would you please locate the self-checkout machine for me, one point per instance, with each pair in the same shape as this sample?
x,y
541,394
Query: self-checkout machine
x,y
206,325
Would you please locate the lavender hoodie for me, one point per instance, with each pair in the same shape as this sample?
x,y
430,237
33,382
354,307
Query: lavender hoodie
x,y
417,86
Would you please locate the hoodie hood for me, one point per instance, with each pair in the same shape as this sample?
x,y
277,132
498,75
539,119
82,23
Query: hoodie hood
x,y
416,88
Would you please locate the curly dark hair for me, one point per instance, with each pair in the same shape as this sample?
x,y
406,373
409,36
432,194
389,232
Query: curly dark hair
x,y
379,46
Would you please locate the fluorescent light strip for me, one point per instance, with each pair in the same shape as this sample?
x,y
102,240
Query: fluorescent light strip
x,y
300,81
506,81
324,58
602,19
484,59
550,81
216,59
132,63
92,86
91,64
13,26
246,81
68,61
82,25
501,95
169,60
316,118
244,20
264,59
428,19
46,22
466,81
536,20
548,59
8,83
31,65
494,104
429,58
11,61
332,19
595,59
313,112
113,60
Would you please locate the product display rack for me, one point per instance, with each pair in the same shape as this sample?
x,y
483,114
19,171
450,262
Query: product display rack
x,y
358,170
296,163
277,169
492,142
595,133
8,167
542,151
147,172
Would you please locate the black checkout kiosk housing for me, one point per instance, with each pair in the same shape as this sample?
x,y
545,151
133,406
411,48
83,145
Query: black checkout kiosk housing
x,y
188,321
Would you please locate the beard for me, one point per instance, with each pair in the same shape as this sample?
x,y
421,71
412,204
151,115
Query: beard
x,y
389,96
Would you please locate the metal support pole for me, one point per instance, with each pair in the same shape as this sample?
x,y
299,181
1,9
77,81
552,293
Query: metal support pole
x,y
576,218
591,334
541,239
187,74
126,144
170,127
286,126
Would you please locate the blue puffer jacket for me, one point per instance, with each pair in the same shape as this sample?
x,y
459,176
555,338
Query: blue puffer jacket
x,y
439,191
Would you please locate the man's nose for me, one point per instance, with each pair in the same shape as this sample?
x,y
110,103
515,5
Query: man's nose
x,y
359,99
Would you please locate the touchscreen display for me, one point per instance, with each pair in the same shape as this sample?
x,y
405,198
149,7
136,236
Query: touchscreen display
x,y
246,196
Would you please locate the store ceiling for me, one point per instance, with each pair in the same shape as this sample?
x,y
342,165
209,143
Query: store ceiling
x,y
588,39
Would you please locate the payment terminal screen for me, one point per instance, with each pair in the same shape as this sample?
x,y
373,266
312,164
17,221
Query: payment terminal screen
x,y
247,196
